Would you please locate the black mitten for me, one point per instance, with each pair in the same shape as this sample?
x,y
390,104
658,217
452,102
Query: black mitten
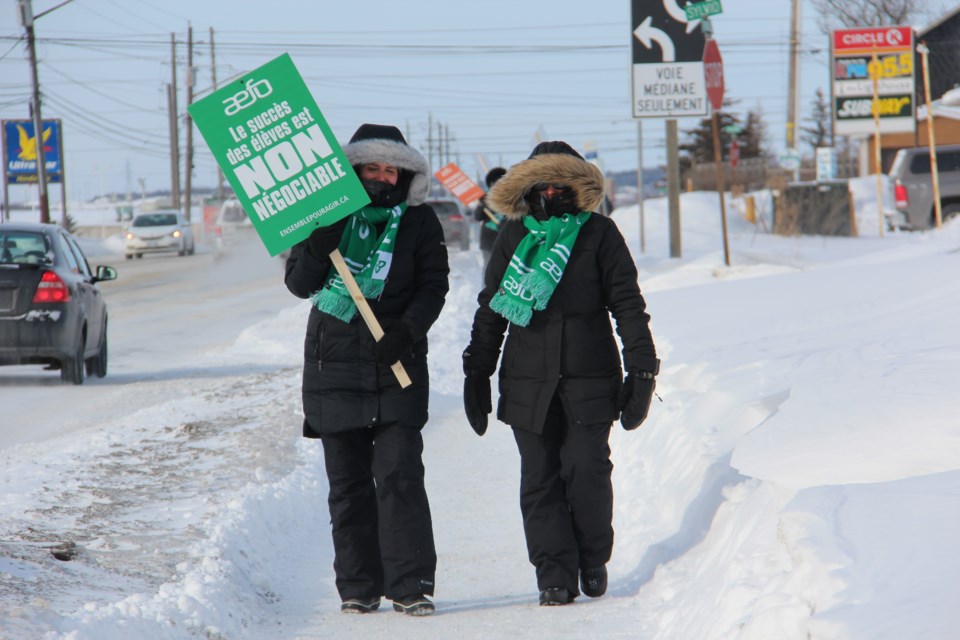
x,y
635,396
476,401
324,240
395,342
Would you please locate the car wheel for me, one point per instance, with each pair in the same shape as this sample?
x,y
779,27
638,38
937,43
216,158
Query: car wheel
x,y
139,255
128,256
97,366
72,370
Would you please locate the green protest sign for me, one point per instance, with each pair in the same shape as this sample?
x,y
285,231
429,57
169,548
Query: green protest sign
x,y
278,153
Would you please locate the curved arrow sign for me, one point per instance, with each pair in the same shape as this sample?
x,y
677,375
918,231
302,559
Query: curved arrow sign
x,y
680,15
646,32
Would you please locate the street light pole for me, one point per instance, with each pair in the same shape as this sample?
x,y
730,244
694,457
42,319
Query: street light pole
x,y
26,20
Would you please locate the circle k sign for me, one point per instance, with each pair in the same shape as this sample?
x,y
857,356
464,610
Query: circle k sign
x,y
713,73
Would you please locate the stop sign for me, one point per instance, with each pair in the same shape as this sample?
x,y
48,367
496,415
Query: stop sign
x,y
713,73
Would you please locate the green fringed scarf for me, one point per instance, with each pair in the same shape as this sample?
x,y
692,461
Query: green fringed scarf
x,y
537,266
367,256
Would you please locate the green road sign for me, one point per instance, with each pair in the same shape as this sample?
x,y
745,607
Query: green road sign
x,y
703,9
279,154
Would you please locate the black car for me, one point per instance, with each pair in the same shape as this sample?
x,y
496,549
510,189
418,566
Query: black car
x,y
51,310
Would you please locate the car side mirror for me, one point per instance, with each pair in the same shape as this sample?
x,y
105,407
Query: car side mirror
x,y
105,273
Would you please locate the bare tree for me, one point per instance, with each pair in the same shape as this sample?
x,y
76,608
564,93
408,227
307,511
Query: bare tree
x,y
836,14
819,132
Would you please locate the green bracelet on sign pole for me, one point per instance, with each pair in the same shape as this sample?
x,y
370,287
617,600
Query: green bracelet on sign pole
x,y
279,154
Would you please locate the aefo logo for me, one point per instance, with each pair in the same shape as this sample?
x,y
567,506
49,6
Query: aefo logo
x,y
255,90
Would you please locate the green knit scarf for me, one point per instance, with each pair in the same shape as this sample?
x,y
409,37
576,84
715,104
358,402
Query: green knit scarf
x,y
537,266
367,256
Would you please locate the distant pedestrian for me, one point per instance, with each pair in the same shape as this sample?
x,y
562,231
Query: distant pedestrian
x,y
490,220
369,425
557,273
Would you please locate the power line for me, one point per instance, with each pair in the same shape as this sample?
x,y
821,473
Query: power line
x,y
123,134
88,86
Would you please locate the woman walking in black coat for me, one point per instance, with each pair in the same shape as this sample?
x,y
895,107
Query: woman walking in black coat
x,y
369,425
556,275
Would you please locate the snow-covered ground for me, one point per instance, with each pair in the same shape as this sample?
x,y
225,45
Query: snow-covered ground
x,y
799,478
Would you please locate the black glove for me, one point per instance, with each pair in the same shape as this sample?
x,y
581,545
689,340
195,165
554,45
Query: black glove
x,y
395,342
476,401
635,396
324,240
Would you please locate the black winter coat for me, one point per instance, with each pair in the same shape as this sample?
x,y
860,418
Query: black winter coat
x,y
569,347
343,386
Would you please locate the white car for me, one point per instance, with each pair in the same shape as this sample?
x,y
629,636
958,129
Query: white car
x,y
157,232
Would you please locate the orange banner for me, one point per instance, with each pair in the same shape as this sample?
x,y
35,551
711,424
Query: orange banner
x,y
456,182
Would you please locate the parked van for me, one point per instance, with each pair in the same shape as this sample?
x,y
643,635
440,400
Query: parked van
x,y
913,184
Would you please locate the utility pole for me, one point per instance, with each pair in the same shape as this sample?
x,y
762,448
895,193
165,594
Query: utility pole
x,y
446,143
430,141
174,156
26,20
439,144
931,135
793,79
189,80
174,128
673,187
213,73
129,185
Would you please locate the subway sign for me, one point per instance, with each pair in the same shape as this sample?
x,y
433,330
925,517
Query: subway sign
x,y
867,61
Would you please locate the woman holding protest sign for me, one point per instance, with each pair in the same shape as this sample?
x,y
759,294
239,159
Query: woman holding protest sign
x,y
557,273
368,424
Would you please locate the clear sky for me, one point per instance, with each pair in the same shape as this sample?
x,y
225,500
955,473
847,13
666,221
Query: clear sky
x,y
492,73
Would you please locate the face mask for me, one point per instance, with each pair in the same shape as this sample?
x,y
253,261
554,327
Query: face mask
x,y
383,194
559,204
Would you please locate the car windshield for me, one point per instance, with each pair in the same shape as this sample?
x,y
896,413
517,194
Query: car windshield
x,y
155,220
23,247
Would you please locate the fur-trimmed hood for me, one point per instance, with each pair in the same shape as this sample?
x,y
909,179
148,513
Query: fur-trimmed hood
x,y
397,153
586,180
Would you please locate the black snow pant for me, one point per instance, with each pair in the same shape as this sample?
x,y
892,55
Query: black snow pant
x,y
566,498
382,530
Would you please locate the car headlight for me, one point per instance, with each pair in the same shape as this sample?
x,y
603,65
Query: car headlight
x,y
130,235
176,234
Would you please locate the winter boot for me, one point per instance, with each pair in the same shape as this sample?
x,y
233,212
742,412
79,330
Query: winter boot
x,y
554,596
415,605
360,605
593,582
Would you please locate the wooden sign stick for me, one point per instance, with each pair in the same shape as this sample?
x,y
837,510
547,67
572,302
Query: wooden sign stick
x,y
492,217
366,312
